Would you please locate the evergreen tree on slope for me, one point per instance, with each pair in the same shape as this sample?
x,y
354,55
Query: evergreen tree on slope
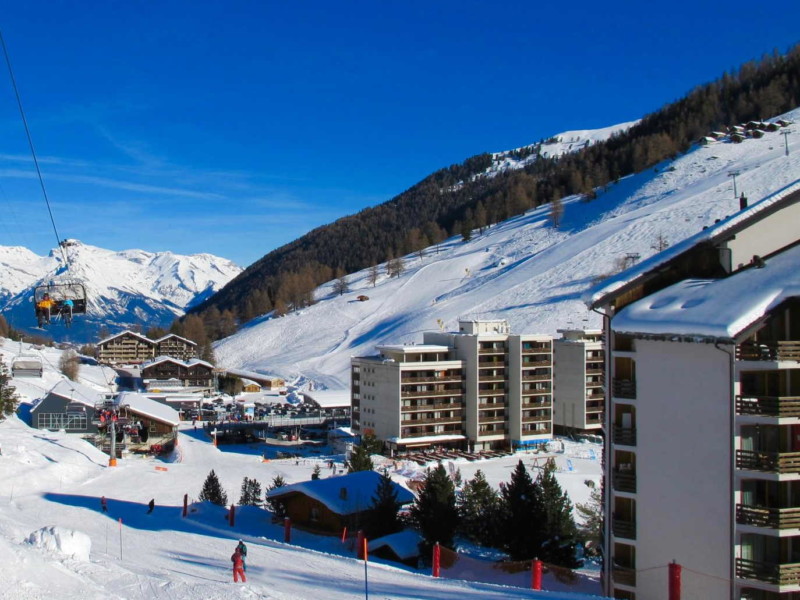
x,y
557,530
478,510
212,490
521,513
382,517
434,513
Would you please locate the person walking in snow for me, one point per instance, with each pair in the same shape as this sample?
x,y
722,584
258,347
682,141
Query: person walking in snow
x,y
151,505
243,551
238,566
104,504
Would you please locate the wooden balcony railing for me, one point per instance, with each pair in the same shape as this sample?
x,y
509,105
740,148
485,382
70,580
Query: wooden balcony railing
x,y
491,378
438,378
527,364
624,575
768,406
624,528
772,462
772,518
784,350
536,418
769,572
491,350
624,481
624,388
435,406
491,419
500,364
442,420
545,377
625,436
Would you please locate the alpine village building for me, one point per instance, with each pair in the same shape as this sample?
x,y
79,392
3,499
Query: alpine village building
x,y
702,458
129,347
482,388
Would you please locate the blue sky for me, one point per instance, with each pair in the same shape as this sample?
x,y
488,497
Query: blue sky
x,y
233,128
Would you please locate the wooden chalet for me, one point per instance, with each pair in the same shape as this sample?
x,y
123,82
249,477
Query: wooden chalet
x,y
176,347
326,506
192,373
250,386
151,426
125,348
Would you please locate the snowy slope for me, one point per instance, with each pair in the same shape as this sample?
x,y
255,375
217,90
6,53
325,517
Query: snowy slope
x,y
123,288
55,480
522,270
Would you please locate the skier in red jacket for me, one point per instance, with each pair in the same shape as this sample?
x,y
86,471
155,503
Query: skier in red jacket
x,y
238,566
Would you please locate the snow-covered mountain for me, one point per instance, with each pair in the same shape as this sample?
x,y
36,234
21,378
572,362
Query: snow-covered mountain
x,y
123,288
523,270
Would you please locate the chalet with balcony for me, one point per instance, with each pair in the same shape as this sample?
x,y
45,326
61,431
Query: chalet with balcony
x,y
176,347
703,421
126,348
192,373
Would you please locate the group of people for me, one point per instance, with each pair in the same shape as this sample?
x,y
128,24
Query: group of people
x,y
239,562
46,307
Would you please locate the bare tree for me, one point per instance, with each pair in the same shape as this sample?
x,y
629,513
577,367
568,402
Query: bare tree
x,y
341,285
374,273
69,364
556,212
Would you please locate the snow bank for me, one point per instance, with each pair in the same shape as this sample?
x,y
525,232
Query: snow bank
x,y
65,542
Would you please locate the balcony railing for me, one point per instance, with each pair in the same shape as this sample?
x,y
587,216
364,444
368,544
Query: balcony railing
x,y
785,350
529,405
492,419
536,418
772,462
545,377
527,364
768,406
413,422
772,518
501,364
770,572
429,393
441,378
491,377
435,406
624,388
624,575
624,528
491,350
624,481
625,436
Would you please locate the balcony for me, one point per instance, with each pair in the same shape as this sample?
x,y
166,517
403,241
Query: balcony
x,y
771,518
430,407
432,379
768,406
491,378
624,575
769,572
429,421
772,462
529,405
492,419
788,350
536,418
491,350
429,393
624,388
499,364
536,377
624,481
624,436
624,529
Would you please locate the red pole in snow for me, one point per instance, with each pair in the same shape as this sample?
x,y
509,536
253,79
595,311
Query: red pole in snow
x,y
437,560
360,544
536,574
287,530
344,535
232,515
674,581
185,505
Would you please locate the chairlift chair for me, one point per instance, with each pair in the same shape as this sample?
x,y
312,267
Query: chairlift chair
x,y
59,291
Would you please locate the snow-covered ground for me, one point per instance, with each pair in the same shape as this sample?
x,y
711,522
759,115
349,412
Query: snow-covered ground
x,y
522,270
50,521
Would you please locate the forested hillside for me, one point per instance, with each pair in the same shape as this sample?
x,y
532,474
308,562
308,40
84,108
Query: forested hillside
x,y
462,197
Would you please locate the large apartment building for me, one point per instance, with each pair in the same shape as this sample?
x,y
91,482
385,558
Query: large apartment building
x,y
480,388
702,461
579,380
129,347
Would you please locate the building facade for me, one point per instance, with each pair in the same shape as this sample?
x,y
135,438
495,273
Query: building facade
x,y
579,380
192,373
702,462
480,388
126,348
176,347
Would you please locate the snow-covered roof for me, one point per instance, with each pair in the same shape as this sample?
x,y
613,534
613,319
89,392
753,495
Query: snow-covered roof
x,y
361,487
597,295
173,335
329,398
198,361
186,363
415,348
246,382
128,332
75,392
149,408
405,544
717,308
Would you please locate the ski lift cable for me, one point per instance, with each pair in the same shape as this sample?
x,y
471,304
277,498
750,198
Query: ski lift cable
x,y
33,151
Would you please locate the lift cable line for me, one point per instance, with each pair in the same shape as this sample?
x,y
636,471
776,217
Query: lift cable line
x,y
33,151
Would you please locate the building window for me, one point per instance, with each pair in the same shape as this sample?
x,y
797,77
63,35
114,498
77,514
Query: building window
x,y
69,422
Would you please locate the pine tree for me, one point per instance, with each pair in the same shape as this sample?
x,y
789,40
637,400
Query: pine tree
x,y
521,512
592,515
382,517
212,491
434,512
276,506
359,460
557,530
478,510
8,395
251,493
